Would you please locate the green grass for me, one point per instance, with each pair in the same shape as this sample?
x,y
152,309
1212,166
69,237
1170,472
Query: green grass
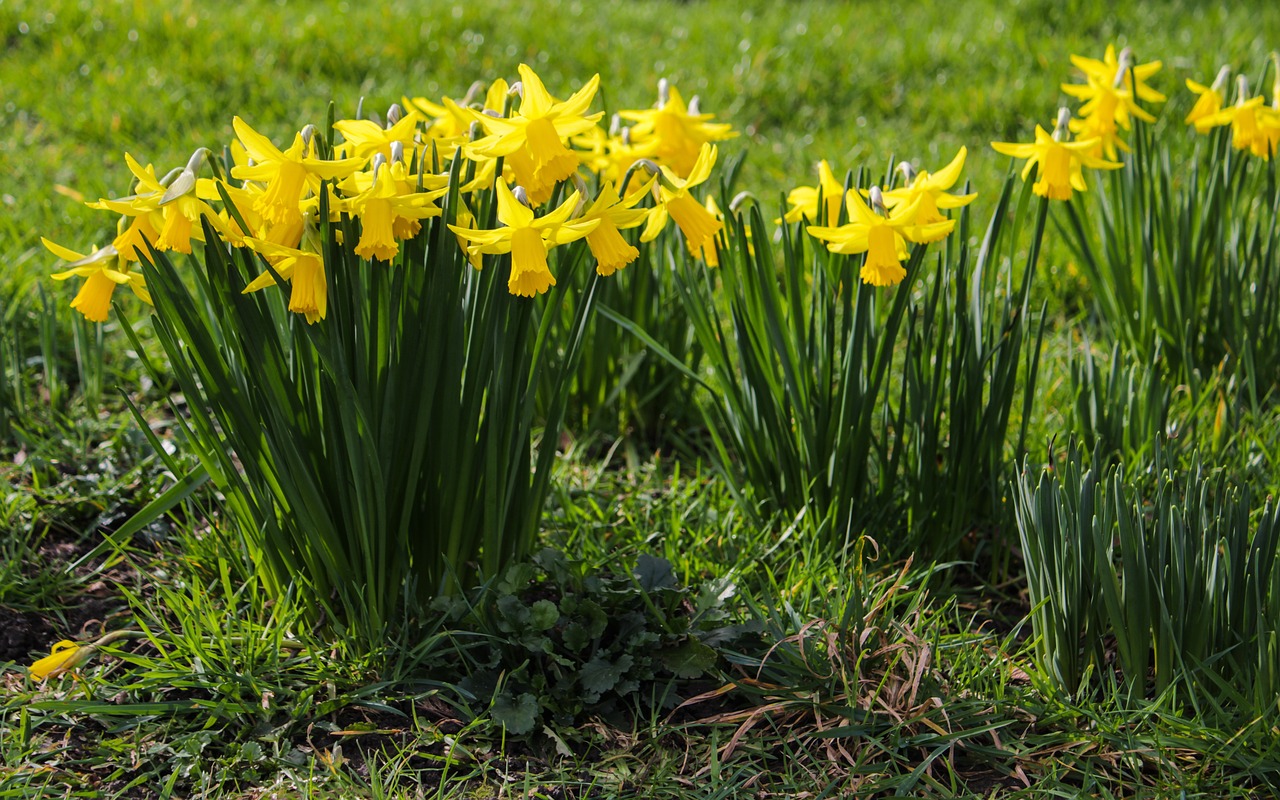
x,y
896,681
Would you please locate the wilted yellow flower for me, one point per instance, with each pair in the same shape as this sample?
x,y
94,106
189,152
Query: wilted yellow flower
x,y
1058,163
527,238
63,657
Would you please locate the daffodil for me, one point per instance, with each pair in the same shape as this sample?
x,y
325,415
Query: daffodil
x,y
1269,118
1119,70
103,270
173,201
1109,104
679,131
140,214
63,657
1209,101
612,252
537,132
366,138
696,223
804,199
243,199
928,192
611,155
389,210
450,121
879,234
303,268
527,238
1058,163
288,174
1243,117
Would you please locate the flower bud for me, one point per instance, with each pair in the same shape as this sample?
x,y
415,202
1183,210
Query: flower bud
x,y
877,201
1060,133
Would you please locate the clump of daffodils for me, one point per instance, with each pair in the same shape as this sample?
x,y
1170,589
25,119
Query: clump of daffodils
x,y
516,147
1255,126
882,225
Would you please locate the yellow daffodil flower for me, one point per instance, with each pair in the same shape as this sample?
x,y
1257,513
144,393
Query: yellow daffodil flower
x,y
1058,163
1119,70
450,121
103,270
534,137
696,223
172,203
244,198
928,192
804,199
63,657
1243,117
615,213
303,268
527,238
1209,102
880,235
1109,103
679,131
366,138
610,156
389,211
289,175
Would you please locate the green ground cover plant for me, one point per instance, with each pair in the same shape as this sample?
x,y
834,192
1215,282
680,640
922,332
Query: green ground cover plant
x,y
699,579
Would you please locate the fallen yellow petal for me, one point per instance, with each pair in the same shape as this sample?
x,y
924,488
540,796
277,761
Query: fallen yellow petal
x,y
62,657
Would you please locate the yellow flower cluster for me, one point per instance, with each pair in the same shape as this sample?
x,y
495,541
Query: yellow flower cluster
x,y
895,216
1111,90
518,142
1255,126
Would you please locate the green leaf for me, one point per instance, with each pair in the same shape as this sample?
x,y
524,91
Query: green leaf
x,y
544,615
690,660
518,715
654,573
600,675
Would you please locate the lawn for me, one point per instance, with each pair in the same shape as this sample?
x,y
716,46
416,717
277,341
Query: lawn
x,y
1005,529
